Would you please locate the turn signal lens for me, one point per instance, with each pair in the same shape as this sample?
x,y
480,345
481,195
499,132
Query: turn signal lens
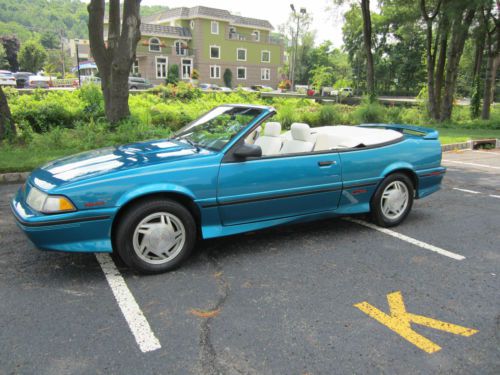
x,y
55,204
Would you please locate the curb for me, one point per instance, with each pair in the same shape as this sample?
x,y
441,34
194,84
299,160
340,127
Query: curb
x,y
13,178
19,177
469,145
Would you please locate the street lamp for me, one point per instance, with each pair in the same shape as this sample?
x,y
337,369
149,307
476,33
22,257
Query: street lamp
x,y
295,49
78,62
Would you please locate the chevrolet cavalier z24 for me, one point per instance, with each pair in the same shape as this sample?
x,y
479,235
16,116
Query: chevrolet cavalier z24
x,y
231,171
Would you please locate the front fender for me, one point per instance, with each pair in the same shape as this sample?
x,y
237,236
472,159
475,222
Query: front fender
x,y
152,189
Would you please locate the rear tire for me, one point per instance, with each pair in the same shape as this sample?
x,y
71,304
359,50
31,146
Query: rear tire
x,y
392,201
155,236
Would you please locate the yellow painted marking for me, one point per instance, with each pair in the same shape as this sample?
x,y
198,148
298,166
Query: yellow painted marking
x,y
399,321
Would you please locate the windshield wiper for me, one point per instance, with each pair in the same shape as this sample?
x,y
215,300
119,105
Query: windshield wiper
x,y
191,143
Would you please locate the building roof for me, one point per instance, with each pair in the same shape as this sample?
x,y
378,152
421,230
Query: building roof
x,y
160,30
206,12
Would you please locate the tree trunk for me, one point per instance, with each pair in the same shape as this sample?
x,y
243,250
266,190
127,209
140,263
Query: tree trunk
x,y
431,56
491,70
475,102
115,59
7,127
442,42
460,29
367,38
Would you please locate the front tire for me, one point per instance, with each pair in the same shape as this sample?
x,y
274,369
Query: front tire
x,y
392,201
155,236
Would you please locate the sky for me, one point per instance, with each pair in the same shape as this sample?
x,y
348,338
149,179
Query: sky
x,y
327,20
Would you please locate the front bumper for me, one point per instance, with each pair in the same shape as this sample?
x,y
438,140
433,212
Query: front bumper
x,y
80,231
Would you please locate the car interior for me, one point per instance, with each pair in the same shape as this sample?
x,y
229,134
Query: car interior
x,y
301,138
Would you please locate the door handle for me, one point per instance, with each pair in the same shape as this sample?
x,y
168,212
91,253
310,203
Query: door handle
x,y
326,163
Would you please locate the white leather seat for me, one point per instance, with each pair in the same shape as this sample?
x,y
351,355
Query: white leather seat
x,y
270,142
253,136
301,140
324,141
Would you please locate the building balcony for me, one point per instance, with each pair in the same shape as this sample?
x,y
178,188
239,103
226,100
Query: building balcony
x,y
253,38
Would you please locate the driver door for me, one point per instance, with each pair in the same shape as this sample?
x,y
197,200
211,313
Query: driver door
x,y
277,187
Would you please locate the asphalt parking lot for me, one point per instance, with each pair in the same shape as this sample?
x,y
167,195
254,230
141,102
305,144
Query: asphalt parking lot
x,y
304,299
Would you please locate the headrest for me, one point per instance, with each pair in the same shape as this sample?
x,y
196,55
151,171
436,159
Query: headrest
x,y
272,129
301,132
324,141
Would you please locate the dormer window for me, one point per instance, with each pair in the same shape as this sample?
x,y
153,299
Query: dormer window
x,y
215,27
154,45
256,35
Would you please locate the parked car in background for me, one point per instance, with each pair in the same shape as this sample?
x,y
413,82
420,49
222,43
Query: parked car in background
x,y
139,83
7,78
37,82
345,92
225,89
209,87
247,89
22,79
261,88
85,80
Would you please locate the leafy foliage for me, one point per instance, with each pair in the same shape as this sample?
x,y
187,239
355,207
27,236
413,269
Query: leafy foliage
x,y
32,56
173,74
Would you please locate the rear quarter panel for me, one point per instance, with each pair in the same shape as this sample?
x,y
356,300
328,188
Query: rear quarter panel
x,y
364,169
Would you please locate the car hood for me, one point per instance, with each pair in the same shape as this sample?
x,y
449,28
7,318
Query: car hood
x,y
104,161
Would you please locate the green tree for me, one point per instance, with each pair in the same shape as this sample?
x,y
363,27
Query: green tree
x,y
322,76
228,77
173,74
32,56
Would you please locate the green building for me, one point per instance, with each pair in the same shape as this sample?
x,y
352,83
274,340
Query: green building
x,y
210,41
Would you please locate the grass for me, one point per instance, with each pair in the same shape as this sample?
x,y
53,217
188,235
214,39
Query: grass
x,y
22,159
456,135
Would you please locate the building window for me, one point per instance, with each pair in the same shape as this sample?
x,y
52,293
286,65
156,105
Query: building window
x,y
181,48
154,45
241,54
187,68
161,67
214,52
241,73
192,24
215,71
256,35
265,74
265,56
215,27
134,70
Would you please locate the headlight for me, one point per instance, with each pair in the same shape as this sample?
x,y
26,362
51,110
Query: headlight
x,y
48,204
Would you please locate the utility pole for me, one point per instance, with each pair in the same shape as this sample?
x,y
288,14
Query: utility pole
x,y
78,63
296,47
62,53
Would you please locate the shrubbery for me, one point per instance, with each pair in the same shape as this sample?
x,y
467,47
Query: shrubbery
x,y
75,120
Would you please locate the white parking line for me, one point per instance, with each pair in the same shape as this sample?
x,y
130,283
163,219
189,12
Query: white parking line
x,y
495,196
486,152
408,239
467,191
136,320
473,164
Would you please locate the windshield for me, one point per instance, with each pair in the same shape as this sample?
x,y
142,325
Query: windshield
x,y
216,128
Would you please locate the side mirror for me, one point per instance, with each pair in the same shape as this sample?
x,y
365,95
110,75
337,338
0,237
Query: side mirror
x,y
248,151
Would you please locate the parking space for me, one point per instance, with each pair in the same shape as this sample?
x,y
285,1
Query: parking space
x,y
291,300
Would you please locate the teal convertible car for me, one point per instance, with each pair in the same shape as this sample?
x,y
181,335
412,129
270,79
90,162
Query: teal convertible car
x,y
232,170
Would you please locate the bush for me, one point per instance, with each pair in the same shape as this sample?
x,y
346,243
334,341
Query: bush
x,y
369,112
329,115
287,116
173,74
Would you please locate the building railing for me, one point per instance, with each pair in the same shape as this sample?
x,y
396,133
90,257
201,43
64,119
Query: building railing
x,y
253,38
